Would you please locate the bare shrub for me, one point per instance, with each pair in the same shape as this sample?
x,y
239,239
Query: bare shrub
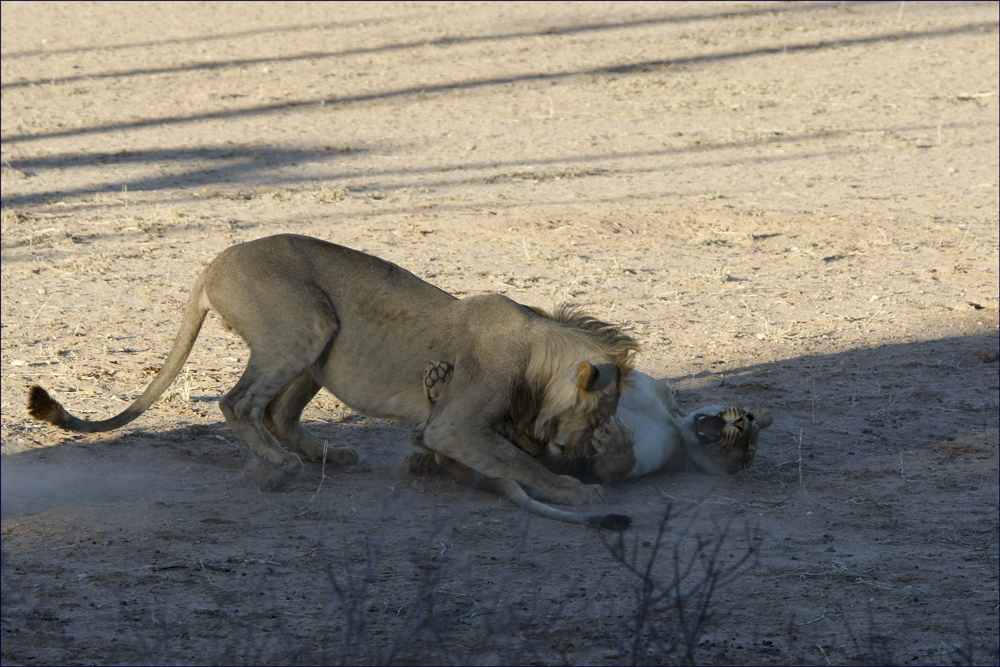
x,y
674,585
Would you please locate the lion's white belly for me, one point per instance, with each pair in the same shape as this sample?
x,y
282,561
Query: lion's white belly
x,y
651,423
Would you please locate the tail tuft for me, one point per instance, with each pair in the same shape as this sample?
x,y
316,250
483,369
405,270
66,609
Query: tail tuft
x,y
618,522
43,407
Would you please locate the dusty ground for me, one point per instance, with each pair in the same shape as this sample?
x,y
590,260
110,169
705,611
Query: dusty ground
x,y
791,204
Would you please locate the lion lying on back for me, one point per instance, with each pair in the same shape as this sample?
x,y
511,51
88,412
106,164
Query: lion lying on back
x,y
649,434
318,315
714,439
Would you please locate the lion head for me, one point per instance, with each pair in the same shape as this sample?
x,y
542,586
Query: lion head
x,y
579,375
723,440
575,405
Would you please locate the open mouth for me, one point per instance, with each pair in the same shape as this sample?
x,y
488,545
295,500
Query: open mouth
x,y
710,428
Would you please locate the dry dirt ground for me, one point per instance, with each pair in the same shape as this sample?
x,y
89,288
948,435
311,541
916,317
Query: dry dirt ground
x,y
788,204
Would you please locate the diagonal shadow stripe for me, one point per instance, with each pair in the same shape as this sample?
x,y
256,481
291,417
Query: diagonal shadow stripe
x,y
275,30
445,41
642,66
235,165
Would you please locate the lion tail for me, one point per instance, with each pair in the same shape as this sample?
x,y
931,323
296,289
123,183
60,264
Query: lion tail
x,y
43,407
513,490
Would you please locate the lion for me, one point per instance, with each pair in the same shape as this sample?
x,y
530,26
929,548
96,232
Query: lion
x,y
648,434
316,314
714,439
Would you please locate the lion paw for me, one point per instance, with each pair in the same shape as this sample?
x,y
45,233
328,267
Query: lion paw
x,y
422,463
594,493
582,494
435,378
269,477
340,456
615,456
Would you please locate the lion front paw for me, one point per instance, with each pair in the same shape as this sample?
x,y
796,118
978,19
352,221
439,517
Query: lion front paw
x,y
582,494
341,456
615,456
272,478
435,379
595,494
422,463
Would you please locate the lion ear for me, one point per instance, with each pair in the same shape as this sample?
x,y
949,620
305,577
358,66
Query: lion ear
x,y
762,416
586,373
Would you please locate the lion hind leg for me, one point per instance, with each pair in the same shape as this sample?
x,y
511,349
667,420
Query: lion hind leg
x,y
283,419
244,406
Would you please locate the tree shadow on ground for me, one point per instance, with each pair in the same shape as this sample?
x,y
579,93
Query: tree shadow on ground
x,y
253,166
884,398
444,41
424,90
